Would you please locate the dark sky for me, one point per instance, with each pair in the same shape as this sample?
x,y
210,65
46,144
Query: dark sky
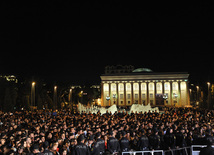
x,y
74,41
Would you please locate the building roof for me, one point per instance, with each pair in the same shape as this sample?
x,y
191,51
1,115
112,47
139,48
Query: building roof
x,y
146,76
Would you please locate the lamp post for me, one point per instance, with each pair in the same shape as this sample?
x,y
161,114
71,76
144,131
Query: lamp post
x,y
32,95
190,95
197,99
55,98
70,98
208,95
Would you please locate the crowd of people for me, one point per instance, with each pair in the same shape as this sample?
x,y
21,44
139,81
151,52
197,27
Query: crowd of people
x,y
65,132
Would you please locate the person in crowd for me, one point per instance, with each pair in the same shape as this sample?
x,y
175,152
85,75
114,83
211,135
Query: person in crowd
x,y
26,132
169,139
180,138
154,140
143,143
46,149
35,149
113,145
81,148
100,143
124,143
94,149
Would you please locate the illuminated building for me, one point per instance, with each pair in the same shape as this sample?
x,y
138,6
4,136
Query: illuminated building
x,y
143,86
10,78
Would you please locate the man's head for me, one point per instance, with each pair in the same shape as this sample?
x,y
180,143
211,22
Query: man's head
x,y
111,133
91,139
45,144
123,133
155,131
35,148
98,134
81,139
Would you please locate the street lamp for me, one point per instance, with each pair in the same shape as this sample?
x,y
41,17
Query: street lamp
x,y
208,95
70,98
190,95
208,83
197,100
55,97
32,95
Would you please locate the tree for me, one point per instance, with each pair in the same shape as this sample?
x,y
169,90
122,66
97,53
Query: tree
x,y
2,92
23,99
10,96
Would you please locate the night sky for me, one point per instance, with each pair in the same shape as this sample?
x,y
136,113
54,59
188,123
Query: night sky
x,y
74,41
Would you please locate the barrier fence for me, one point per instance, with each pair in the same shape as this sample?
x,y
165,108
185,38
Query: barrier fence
x,y
143,152
193,150
178,151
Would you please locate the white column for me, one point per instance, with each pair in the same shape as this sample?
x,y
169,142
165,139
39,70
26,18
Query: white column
x,y
124,95
140,94
132,93
102,97
179,93
117,100
110,95
188,96
171,94
155,92
164,102
147,93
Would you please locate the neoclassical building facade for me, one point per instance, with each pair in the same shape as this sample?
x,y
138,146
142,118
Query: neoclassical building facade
x,y
142,86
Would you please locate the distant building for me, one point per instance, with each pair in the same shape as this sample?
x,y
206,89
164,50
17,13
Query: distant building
x,y
118,69
124,86
10,78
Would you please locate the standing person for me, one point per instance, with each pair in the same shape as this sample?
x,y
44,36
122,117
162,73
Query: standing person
x,y
81,148
124,143
180,140
169,139
94,148
113,145
154,140
90,141
35,149
101,143
46,150
143,143
134,141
